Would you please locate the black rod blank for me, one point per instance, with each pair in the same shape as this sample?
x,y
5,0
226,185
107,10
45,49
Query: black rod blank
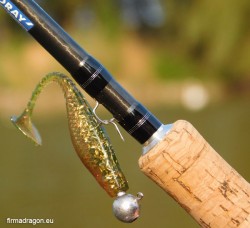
x,y
89,73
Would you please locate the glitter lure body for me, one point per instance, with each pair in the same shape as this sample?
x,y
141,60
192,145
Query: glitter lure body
x,y
88,137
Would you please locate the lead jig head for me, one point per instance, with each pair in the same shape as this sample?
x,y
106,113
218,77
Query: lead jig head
x,y
126,207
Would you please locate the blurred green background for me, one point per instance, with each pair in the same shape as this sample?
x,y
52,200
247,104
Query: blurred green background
x,y
183,59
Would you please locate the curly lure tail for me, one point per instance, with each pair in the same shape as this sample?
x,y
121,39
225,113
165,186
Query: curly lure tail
x,y
89,139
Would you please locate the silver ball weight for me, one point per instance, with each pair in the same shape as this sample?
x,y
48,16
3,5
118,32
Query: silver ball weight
x,y
126,207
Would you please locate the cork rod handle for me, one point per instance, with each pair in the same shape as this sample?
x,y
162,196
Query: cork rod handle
x,y
185,166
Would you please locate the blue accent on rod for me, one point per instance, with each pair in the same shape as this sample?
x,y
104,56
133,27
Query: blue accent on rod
x,y
17,14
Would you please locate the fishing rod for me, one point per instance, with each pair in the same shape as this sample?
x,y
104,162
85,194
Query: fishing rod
x,y
85,69
175,156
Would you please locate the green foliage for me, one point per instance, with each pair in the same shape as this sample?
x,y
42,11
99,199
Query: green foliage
x,y
215,34
172,68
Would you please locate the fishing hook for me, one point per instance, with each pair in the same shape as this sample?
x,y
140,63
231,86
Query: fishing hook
x,y
106,122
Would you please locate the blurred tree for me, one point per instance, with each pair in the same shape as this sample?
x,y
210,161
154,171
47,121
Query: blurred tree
x,y
215,34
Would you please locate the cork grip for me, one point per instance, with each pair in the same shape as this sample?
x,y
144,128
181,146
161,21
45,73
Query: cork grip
x,y
185,166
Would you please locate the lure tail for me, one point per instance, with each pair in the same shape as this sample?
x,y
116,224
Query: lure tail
x,y
25,125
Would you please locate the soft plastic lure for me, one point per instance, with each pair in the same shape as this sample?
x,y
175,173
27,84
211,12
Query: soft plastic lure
x,y
89,138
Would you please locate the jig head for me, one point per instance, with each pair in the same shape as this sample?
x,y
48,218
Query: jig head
x,y
88,137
